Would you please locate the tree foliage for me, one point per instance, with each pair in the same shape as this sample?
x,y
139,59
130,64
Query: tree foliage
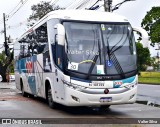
x,y
151,23
6,63
39,10
154,63
143,55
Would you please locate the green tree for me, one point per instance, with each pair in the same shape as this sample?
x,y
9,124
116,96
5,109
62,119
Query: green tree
x,y
154,64
6,63
39,10
143,55
151,23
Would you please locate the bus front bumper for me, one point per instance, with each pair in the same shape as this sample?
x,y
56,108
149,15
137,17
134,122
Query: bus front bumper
x,y
78,98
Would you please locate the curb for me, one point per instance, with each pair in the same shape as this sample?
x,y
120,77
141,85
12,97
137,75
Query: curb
x,y
146,103
148,83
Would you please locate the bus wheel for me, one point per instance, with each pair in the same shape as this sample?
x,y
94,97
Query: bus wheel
x,y
51,103
22,89
104,107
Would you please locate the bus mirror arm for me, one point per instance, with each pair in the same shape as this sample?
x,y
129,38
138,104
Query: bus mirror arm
x,y
60,37
144,34
56,38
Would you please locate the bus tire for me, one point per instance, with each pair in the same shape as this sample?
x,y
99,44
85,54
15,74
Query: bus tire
x,y
50,101
22,89
104,107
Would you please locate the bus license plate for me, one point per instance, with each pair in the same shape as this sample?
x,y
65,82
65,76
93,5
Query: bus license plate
x,y
105,99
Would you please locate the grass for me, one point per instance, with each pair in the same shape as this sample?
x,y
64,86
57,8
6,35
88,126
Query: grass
x,y
150,74
149,78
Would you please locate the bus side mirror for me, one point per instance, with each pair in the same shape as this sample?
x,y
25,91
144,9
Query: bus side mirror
x,y
60,37
144,34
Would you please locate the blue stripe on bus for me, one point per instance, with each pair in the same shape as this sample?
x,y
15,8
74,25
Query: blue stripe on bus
x,y
127,80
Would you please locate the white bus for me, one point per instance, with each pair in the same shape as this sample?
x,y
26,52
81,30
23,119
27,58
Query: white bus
x,y
79,58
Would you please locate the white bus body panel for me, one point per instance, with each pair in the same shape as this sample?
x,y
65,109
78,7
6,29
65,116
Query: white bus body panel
x,y
91,95
60,91
94,99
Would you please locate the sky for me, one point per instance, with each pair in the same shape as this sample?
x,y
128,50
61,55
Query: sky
x,y
16,25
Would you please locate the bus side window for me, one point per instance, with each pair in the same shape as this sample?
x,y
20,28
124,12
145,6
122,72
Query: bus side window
x,y
23,48
41,38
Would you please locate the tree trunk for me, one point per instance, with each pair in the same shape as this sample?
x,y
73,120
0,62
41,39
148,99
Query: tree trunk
x,y
3,78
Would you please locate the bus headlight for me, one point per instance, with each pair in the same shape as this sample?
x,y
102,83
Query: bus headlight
x,y
73,86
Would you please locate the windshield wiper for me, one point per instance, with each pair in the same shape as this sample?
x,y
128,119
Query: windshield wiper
x,y
111,56
95,60
117,66
92,66
99,50
108,50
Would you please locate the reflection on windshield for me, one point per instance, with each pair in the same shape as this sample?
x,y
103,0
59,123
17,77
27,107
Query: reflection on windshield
x,y
100,49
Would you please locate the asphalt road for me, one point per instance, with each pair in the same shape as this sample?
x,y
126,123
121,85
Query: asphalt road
x,y
149,93
13,105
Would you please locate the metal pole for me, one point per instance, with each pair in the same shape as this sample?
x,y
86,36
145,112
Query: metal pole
x,y
108,5
159,55
5,38
4,19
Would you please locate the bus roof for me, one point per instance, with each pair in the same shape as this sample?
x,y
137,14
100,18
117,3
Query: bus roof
x,y
79,15
87,15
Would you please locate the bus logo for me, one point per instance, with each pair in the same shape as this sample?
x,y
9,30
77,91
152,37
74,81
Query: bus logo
x,y
29,67
118,83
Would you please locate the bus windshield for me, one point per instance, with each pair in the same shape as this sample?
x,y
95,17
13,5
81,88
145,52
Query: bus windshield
x,y
100,48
